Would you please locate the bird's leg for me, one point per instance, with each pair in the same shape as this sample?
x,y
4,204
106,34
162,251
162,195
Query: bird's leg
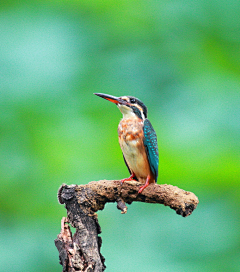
x,y
145,185
128,179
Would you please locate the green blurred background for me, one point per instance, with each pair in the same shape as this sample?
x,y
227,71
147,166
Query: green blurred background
x,y
182,59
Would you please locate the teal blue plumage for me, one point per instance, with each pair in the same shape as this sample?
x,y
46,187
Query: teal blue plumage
x,y
151,146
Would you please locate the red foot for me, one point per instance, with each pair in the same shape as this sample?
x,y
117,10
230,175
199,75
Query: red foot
x,y
145,185
127,179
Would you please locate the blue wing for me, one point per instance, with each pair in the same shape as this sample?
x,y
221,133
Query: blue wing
x,y
151,146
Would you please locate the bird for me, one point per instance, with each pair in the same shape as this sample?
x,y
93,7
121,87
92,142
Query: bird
x,y
137,139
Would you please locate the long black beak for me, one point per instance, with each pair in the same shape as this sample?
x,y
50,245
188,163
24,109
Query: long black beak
x,y
114,99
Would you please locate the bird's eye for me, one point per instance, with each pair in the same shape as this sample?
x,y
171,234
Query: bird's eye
x,y
132,100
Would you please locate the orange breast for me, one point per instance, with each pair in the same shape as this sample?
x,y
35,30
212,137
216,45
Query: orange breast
x,y
130,129
130,134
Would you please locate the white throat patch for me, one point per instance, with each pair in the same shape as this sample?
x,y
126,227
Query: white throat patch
x,y
126,111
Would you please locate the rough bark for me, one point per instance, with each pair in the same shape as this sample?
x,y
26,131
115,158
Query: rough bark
x,y
81,252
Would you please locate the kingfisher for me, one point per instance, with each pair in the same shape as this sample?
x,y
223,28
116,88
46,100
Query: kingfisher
x,y
137,139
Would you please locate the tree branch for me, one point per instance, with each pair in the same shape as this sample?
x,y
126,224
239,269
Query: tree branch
x,y
81,252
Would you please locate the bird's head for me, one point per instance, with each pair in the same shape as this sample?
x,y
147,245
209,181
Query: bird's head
x,y
128,105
